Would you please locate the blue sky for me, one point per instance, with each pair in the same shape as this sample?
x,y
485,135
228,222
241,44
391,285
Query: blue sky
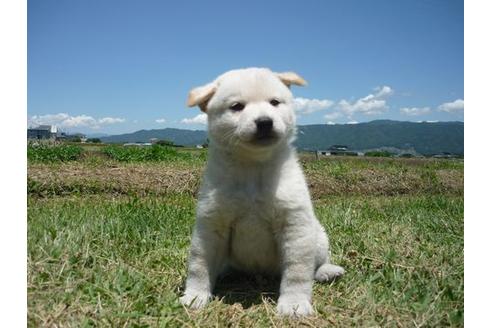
x,y
120,66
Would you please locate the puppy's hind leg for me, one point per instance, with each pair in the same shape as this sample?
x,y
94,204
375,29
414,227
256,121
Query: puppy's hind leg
x,y
328,272
325,271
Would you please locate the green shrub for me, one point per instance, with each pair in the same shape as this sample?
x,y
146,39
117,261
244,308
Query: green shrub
x,y
143,153
165,143
379,154
53,153
94,140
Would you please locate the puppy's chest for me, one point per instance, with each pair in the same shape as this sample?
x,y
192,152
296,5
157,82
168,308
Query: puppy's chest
x,y
246,200
254,200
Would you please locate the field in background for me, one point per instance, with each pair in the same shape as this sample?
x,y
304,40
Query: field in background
x,y
108,242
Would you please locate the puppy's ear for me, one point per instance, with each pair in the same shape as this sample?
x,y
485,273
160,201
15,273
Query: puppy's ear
x,y
289,78
201,95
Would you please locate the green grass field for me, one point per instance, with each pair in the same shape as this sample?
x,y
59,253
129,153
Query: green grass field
x,y
108,244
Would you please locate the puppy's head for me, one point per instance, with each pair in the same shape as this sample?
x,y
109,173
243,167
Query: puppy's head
x,y
249,109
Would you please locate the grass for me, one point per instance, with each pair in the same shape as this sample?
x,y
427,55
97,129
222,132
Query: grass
x,y
117,257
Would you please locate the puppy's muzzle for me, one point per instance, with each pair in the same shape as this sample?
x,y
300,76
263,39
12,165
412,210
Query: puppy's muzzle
x,y
265,134
264,129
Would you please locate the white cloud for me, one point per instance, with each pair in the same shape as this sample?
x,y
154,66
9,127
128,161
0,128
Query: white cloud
x,y
64,120
383,91
332,116
308,106
452,107
111,120
77,121
371,104
49,119
161,120
330,123
199,119
353,122
415,111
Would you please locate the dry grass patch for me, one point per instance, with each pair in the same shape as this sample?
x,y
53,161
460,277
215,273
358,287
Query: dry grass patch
x,y
123,179
385,177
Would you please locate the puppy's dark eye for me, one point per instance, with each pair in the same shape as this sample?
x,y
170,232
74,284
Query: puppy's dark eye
x,y
237,106
274,102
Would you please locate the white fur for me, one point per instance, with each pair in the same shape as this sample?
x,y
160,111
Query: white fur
x,y
254,209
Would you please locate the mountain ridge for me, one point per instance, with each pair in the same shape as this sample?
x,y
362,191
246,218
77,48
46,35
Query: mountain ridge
x,y
421,137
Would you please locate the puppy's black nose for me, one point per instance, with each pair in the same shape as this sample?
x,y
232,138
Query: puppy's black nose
x,y
264,125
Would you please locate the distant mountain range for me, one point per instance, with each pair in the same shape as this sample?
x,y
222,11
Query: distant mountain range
x,y
96,135
423,138
178,136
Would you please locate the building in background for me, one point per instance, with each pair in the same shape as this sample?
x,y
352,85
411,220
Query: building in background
x,y
42,132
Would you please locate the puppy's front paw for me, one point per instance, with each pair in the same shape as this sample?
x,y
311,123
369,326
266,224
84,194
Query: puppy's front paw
x,y
294,306
194,299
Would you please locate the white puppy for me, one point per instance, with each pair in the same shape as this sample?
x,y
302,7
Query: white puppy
x,y
254,209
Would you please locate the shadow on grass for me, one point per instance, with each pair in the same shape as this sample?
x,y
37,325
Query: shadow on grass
x,y
246,289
